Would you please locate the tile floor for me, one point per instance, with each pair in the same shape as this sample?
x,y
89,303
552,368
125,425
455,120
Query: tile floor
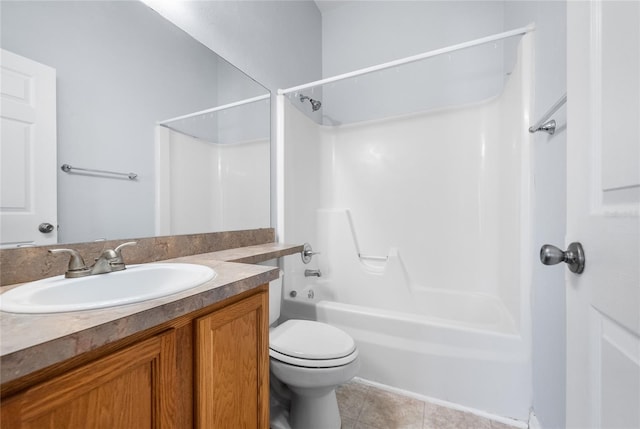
x,y
367,407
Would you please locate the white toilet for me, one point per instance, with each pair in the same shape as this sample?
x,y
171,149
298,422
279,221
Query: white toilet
x,y
308,360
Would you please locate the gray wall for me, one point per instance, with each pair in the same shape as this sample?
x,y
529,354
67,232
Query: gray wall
x,y
278,43
363,34
366,33
120,68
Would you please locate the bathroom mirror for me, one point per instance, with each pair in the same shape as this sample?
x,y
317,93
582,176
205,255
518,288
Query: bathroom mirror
x,y
136,94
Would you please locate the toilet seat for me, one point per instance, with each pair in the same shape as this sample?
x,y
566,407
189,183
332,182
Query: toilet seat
x,y
313,363
311,344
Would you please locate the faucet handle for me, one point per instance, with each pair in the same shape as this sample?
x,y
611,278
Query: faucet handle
x,y
307,253
76,263
128,243
118,251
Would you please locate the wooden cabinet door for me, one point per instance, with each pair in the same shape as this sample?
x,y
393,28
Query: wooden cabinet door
x,y
131,388
232,366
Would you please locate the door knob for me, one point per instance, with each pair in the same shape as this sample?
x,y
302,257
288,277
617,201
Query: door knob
x,y
46,228
573,256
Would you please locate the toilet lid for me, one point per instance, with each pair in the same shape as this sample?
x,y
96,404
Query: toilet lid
x,y
306,339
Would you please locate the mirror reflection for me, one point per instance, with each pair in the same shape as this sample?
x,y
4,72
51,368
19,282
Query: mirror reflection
x,y
112,86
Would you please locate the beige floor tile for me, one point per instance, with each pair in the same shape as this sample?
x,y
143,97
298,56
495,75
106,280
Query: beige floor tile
x,y
366,407
365,426
476,422
351,397
386,410
348,423
436,417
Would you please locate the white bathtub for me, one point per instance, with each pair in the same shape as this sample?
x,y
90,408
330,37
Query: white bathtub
x,y
476,364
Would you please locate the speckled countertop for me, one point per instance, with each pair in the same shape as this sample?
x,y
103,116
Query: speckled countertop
x,y
31,342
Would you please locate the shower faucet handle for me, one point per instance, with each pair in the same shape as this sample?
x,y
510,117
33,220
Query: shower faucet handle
x,y
307,253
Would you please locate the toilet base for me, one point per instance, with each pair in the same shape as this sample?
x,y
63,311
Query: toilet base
x,y
314,409
311,391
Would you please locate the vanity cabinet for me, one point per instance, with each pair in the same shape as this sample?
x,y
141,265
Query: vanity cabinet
x,y
208,369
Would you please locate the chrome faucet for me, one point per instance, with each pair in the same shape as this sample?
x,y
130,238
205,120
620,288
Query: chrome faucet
x,y
110,260
312,273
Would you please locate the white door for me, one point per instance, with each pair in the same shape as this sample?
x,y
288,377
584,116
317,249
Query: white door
x,y
28,181
603,206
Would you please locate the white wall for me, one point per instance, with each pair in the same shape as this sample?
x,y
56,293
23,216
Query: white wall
x,y
549,152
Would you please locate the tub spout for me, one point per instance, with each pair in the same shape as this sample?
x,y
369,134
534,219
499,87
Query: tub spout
x,y
312,273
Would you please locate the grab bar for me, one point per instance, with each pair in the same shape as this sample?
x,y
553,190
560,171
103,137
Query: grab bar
x,y
546,125
67,169
373,258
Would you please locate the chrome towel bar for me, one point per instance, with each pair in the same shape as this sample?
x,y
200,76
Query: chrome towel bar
x,y
546,125
67,169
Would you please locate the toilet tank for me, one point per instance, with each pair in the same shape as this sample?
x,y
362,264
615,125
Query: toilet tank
x,y
275,298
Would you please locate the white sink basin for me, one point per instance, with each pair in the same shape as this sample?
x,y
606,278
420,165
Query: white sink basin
x,y
136,283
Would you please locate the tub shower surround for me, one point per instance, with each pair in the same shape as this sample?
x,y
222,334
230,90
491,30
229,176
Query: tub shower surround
x,y
422,224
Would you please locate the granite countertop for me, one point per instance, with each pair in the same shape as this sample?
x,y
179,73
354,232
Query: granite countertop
x,y
31,342
257,253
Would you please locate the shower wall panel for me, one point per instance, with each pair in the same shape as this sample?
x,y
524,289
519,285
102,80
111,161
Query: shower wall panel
x,y
442,192
243,175
204,186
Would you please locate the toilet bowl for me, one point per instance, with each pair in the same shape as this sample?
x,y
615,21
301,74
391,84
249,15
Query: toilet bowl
x,y
311,359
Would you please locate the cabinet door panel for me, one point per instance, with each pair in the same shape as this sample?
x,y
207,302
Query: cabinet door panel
x,y
129,389
232,366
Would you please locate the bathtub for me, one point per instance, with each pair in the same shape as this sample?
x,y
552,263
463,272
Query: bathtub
x,y
476,363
